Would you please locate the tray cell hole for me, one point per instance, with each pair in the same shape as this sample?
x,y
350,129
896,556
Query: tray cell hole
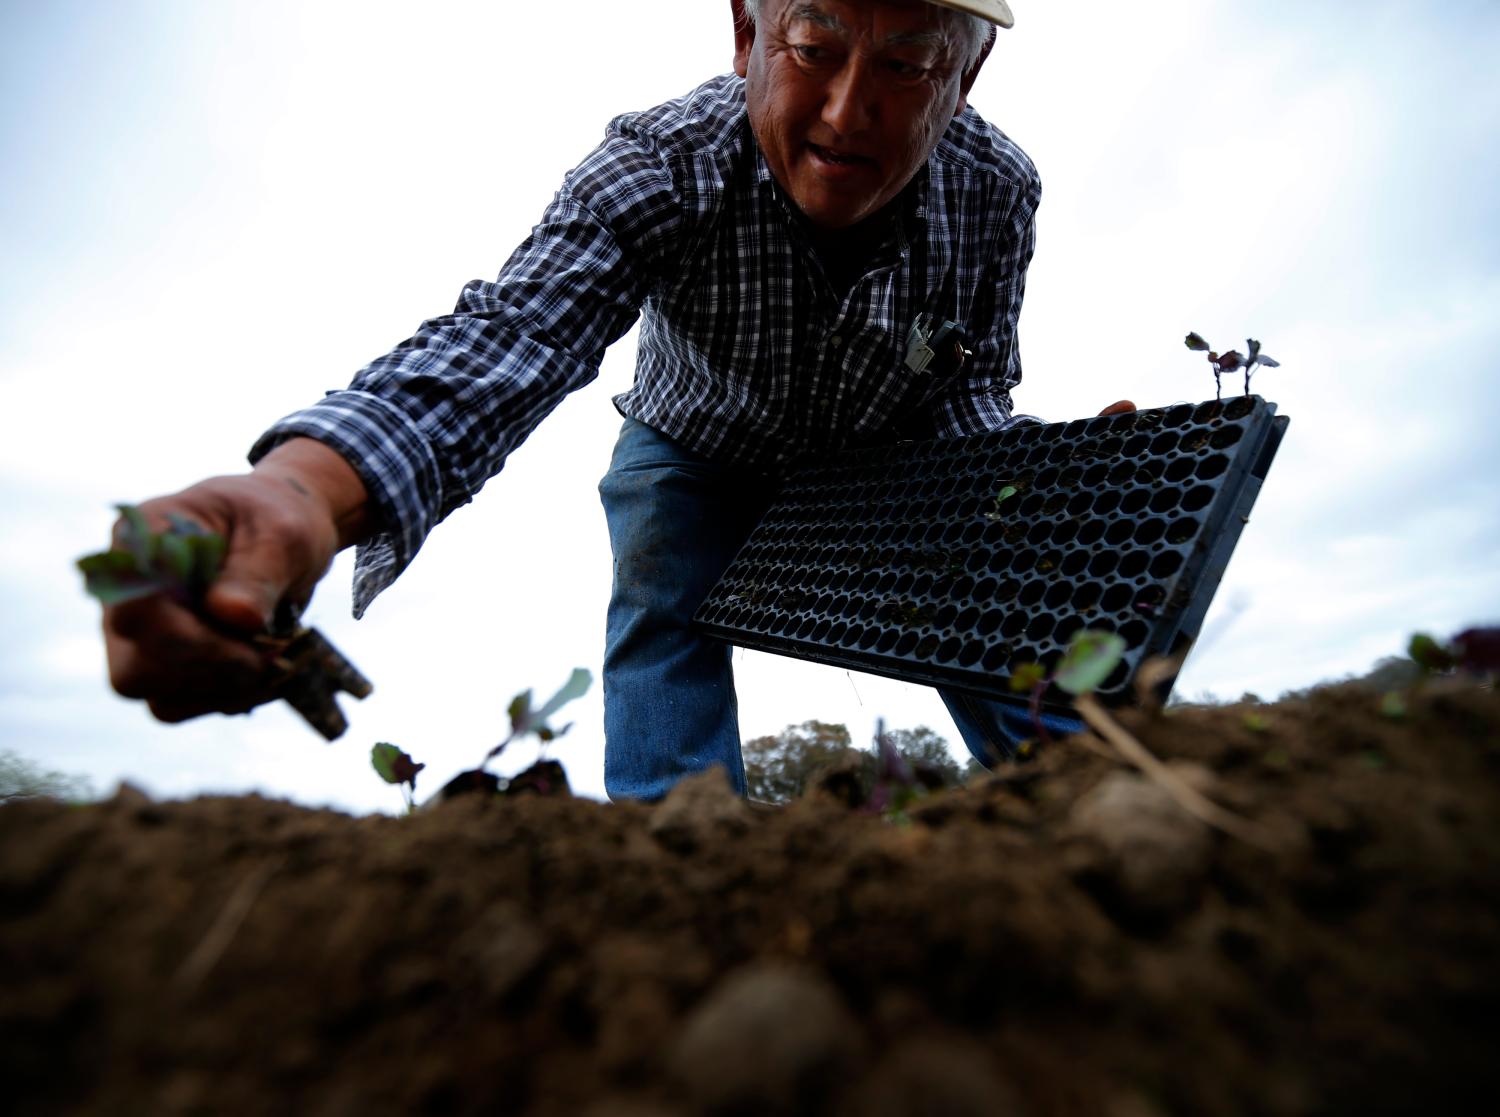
x,y
868,606
984,591
1013,625
887,641
1239,407
1145,420
1091,532
1103,563
995,657
1198,498
1177,416
1044,480
1064,531
1086,596
1134,633
1121,473
1117,598
1211,466
905,644
805,629
1165,565
1057,595
1031,593
1066,628
1208,412
988,622
1040,532
966,620
1163,444
1164,500
1225,437
1150,531
953,533
1182,531
1133,564
1133,447
933,533
1094,476
1074,563
973,533
819,633
1023,562
870,583
948,650
922,585
1135,501
1148,473
837,633
1179,469
1098,425
1118,532
783,624
1074,430
1070,476
925,647
943,618
868,638
1050,432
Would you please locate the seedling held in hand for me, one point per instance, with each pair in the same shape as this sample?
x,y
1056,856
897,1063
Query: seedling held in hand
x,y
1231,361
181,563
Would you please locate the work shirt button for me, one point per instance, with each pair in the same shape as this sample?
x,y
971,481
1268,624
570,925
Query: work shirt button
x,y
836,341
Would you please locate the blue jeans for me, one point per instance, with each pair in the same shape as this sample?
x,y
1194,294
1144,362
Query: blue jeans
x,y
676,519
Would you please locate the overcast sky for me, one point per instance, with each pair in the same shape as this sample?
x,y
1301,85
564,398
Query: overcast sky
x,y
214,211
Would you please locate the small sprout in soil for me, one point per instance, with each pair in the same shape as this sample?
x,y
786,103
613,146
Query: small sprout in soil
x,y
1231,361
1005,493
545,777
397,767
1090,657
1256,723
1473,652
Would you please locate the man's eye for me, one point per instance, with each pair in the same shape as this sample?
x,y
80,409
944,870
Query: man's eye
x,y
905,70
810,53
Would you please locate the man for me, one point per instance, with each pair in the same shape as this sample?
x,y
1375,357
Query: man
x,y
788,235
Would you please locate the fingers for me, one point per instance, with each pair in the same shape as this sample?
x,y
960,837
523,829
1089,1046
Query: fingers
x,y
1119,407
163,653
187,661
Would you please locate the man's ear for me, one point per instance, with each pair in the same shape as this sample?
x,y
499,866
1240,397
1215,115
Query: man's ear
x,y
966,83
744,37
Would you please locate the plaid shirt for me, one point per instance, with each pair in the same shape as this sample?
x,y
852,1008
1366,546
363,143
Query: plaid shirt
x,y
747,351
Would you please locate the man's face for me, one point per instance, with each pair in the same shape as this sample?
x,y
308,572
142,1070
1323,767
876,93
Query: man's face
x,y
848,98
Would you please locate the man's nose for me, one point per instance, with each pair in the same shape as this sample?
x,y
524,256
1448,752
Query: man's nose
x,y
849,106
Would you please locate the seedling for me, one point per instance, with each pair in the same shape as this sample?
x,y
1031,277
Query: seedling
x,y
181,563
1090,657
896,783
1474,652
1231,361
395,766
545,777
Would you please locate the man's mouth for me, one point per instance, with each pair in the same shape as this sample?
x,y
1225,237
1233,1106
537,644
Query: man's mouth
x,y
839,158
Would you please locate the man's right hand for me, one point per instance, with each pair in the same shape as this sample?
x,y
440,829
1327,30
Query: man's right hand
x,y
282,523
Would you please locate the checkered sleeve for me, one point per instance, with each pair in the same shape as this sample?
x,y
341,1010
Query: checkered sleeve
x,y
426,425
981,402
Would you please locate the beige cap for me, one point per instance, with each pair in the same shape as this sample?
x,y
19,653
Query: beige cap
x,y
996,11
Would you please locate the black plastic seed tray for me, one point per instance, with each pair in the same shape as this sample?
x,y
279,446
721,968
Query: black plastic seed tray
x,y
955,561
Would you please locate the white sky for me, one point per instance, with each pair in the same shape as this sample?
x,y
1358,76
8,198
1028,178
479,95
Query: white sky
x,y
210,213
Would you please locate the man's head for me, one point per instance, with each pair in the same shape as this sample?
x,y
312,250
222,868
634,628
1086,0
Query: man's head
x,y
848,98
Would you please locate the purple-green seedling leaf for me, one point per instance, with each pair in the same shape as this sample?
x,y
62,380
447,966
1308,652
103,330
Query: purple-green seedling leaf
x,y
576,686
1027,677
1090,658
114,577
137,535
394,765
1478,649
520,713
1430,655
1268,362
1228,362
1005,494
1195,343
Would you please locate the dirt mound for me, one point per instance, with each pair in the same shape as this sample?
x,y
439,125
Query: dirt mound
x,y
1060,939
